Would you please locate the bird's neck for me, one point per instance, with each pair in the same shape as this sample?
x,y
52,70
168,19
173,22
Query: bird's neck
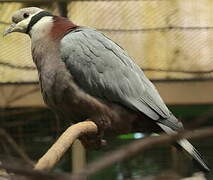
x,y
52,28
61,26
41,30
45,37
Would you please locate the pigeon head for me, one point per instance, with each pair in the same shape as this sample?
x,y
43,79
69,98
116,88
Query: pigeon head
x,y
24,19
39,24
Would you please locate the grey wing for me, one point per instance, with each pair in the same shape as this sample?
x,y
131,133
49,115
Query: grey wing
x,y
103,69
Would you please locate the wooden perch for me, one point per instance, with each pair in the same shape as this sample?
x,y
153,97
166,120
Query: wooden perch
x,y
29,174
54,154
123,153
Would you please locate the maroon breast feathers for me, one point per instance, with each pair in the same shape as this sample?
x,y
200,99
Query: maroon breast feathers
x,y
61,26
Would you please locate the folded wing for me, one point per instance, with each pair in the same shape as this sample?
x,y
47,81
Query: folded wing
x,y
104,70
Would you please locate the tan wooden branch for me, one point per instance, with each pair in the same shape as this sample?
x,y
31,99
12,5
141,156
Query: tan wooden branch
x,y
54,154
115,156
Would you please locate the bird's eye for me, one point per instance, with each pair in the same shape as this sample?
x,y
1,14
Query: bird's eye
x,y
25,15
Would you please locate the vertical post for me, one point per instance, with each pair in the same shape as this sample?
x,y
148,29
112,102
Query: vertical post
x,y
61,8
78,156
175,161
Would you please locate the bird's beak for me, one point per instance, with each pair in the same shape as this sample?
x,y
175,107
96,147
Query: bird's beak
x,y
9,30
13,28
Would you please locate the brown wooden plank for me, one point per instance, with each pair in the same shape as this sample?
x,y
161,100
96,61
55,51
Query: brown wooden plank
x,y
172,92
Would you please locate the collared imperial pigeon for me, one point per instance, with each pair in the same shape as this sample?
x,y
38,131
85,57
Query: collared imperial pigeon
x,y
85,75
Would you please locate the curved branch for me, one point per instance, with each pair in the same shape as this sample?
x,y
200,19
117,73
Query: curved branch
x,y
132,149
54,154
115,156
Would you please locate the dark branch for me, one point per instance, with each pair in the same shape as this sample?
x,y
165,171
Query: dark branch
x,y
135,147
33,174
15,147
123,153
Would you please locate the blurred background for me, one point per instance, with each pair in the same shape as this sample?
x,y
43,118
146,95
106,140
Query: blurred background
x,y
172,40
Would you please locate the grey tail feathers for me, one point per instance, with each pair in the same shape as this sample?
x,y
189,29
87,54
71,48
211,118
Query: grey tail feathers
x,y
188,147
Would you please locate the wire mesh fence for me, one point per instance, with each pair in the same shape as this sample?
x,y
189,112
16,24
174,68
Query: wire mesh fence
x,y
169,39
34,130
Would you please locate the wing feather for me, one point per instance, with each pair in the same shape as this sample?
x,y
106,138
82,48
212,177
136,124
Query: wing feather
x,y
103,69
